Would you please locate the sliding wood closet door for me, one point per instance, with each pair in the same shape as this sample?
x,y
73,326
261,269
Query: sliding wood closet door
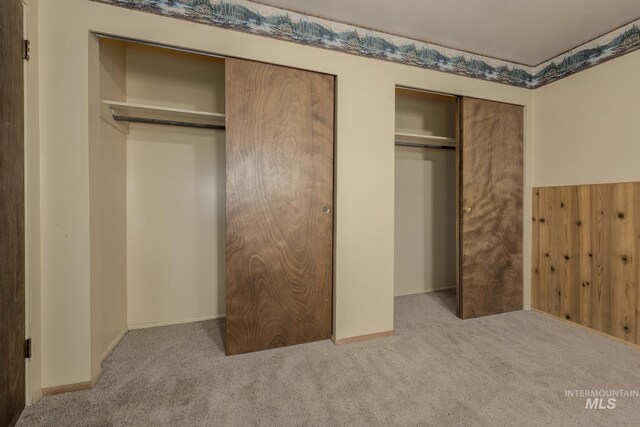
x,y
12,246
490,208
279,136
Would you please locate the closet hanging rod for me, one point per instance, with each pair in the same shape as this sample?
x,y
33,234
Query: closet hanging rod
x,y
435,146
167,122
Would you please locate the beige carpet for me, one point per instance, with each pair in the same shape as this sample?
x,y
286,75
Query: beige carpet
x,y
510,369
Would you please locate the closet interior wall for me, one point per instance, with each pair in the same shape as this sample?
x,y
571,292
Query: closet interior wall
x,y
157,195
175,191
425,192
108,211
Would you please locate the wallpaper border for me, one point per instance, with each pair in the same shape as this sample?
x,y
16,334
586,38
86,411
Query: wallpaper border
x,y
255,18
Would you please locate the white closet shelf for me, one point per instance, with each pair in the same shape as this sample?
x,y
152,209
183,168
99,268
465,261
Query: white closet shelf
x,y
418,138
130,112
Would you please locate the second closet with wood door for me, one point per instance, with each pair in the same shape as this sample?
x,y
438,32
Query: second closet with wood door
x,y
212,194
458,200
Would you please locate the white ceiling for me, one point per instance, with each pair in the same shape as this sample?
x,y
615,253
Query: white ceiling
x,y
524,31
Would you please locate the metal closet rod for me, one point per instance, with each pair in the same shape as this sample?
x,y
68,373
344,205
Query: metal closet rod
x,y
168,122
436,146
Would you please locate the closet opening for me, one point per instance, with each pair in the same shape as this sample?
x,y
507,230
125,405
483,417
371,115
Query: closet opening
x,y
182,228
157,189
426,146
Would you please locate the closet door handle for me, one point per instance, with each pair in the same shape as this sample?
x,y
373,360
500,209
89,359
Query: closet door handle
x,y
326,209
467,209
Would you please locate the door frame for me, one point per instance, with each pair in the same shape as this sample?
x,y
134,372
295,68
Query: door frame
x,y
28,249
32,216
457,183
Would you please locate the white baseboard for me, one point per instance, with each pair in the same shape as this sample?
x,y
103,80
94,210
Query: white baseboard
x,y
97,376
175,322
66,388
113,345
359,338
444,288
36,396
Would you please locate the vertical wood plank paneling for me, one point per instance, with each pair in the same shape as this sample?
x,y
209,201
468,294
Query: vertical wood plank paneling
x,y
279,160
535,250
584,250
588,247
623,289
12,245
556,239
600,271
545,246
636,253
565,259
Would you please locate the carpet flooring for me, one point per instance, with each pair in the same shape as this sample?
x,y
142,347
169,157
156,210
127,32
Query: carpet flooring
x,y
505,370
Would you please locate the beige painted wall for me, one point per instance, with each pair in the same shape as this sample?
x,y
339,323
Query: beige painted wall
x,y
175,192
64,202
425,196
107,207
365,158
426,113
176,234
587,126
174,79
425,220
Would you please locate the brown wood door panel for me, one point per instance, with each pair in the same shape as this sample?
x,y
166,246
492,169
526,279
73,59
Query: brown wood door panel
x,y
279,160
491,208
12,248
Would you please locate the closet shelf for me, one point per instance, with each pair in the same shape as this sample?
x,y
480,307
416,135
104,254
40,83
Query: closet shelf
x,y
418,139
140,113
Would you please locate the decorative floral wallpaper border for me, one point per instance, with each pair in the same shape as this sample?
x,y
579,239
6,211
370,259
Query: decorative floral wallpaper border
x,y
246,16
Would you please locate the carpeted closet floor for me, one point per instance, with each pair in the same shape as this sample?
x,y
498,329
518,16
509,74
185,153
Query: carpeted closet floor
x,y
509,369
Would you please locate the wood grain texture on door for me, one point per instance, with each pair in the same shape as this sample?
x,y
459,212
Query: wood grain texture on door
x,y
12,246
279,157
586,242
491,164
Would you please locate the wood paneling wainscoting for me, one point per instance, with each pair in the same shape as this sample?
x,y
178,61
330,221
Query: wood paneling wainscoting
x,y
586,249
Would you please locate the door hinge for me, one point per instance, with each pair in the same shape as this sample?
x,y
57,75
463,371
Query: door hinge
x,y
26,52
27,348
